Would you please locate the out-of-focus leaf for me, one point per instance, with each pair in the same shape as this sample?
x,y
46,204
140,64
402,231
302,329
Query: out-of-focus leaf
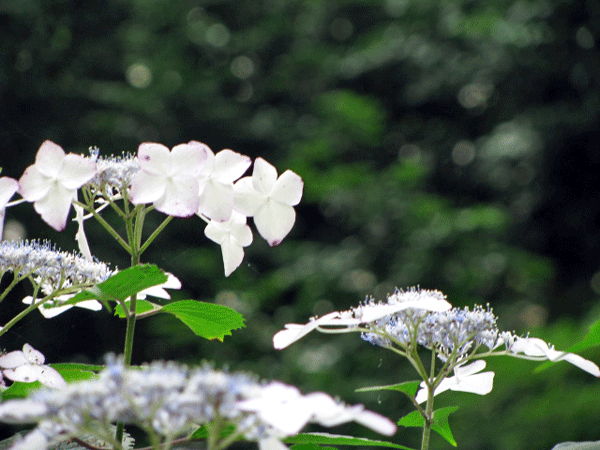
x,y
336,439
408,387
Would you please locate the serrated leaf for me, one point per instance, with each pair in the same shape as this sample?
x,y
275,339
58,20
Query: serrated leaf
x,y
123,284
409,388
141,306
206,320
440,422
336,439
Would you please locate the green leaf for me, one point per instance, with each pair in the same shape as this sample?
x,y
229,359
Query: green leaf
x,y
207,320
202,432
123,284
141,306
440,422
408,387
336,439
310,447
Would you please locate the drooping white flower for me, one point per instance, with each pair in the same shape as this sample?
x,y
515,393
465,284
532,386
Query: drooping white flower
x,y
54,308
159,290
28,366
232,235
466,379
270,200
167,179
52,182
8,187
215,182
370,312
539,349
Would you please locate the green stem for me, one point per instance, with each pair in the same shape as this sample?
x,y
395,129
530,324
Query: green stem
x,y
429,406
155,234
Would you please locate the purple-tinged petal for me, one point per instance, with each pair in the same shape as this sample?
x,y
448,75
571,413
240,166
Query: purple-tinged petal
x,y
27,373
188,159
154,158
288,188
229,165
76,171
274,221
51,378
264,176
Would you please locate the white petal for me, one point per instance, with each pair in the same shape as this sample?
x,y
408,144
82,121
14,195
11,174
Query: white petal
x,y
76,171
159,290
12,359
188,159
35,440
51,378
233,255
294,331
32,355
246,199
180,198
271,443
216,200
8,187
33,185
146,187
469,369
55,206
530,347
229,165
49,311
49,159
274,221
21,411
288,188
216,232
26,374
92,305
154,158
480,383
264,176
376,422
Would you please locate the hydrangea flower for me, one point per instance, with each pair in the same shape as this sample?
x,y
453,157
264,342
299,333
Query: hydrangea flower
x,y
49,267
368,313
215,182
270,200
28,366
167,179
167,399
466,379
232,235
52,182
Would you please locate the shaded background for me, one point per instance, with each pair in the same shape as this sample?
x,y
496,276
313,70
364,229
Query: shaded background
x,y
447,144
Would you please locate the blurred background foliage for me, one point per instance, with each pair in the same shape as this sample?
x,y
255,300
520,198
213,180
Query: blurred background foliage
x,y
451,144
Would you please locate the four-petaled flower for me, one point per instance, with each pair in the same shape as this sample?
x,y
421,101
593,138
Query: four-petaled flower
x,y
466,379
232,235
269,199
52,182
28,366
168,179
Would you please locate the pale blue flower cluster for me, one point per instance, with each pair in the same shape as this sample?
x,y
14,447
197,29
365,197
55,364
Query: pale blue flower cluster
x,y
51,268
168,400
455,331
113,172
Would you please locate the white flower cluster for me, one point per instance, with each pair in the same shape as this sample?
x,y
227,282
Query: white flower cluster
x,y
187,180
168,399
50,268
